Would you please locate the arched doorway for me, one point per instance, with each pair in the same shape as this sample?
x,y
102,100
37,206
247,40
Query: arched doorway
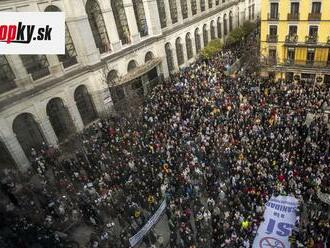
x,y
169,57
197,41
179,51
205,35
28,133
189,46
6,160
85,105
60,119
117,92
212,30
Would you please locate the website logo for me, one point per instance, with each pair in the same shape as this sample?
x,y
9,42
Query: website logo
x,y
32,33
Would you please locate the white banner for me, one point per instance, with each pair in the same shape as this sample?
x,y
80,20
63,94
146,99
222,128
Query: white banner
x,y
280,218
145,229
32,33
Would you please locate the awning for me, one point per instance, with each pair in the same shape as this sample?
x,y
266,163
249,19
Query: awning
x,y
138,71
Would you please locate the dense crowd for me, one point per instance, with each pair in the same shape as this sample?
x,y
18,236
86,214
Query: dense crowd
x,y
215,147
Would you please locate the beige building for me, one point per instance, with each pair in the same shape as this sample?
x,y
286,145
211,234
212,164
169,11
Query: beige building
x,y
113,49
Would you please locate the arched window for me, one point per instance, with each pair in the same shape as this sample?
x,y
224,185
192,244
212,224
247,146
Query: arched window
x,y
193,7
189,46
162,13
85,104
149,56
97,24
131,65
230,21
173,11
121,21
225,30
205,35
184,9
140,17
36,65
70,56
197,41
219,27
7,76
212,30
28,133
202,3
60,118
112,77
210,4
179,51
169,57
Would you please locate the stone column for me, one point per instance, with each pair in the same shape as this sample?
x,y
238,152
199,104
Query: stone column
x,y
81,32
179,11
109,21
46,126
198,4
16,151
23,79
55,66
152,17
75,115
189,9
132,24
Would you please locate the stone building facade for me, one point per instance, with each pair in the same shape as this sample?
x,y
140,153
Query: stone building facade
x,y
113,47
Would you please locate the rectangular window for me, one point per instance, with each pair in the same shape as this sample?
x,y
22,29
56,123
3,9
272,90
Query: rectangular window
x,y
293,30
316,7
272,30
274,10
272,53
313,30
295,8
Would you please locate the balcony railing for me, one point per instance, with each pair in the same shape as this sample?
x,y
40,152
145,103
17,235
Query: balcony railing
x,y
314,16
311,39
269,61
273,17
306,63
293,16
272,38
291,38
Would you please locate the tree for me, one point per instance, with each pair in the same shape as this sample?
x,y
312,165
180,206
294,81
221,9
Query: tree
x,y
211,49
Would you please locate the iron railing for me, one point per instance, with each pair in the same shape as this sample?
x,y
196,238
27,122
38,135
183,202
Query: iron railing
x,y
314,16
291,38
272,38
273,16
293,16
311,39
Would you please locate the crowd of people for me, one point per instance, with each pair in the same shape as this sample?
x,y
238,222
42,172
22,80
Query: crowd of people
x,y
216,147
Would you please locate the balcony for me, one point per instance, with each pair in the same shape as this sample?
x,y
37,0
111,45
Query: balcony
x,y
273,17
293,16
311,39
291,38
272,38
269,61
306,63
314,16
